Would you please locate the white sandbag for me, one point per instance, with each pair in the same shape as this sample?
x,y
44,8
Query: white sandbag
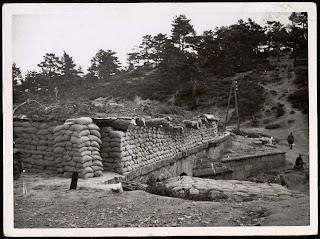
x,y
98,173
83,120
94,127
95,133
78,127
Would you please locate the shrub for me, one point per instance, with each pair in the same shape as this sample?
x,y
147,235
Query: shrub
x,y
299,100
280,111
168,109
292,112
273,126
266,121
290,121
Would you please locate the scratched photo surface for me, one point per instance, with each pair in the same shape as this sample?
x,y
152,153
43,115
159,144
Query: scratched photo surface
x,y
160,119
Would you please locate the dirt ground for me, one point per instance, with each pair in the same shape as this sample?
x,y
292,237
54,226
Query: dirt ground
x,y
50,204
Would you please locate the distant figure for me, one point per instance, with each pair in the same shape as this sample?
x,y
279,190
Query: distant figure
x,y
283,182
299,163
290,140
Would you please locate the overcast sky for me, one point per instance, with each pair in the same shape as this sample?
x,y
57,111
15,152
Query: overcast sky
x,y
81,32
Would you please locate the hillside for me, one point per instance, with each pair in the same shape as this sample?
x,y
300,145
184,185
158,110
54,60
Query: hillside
x,y
263,93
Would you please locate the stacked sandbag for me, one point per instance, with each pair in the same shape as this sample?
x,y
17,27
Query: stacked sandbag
x,y
108,162
77,144
35,139
116,151
129,144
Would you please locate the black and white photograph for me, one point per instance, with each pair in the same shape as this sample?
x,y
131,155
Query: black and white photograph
x,y
159,119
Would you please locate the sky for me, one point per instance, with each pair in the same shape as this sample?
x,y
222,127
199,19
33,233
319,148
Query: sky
x,y
82,31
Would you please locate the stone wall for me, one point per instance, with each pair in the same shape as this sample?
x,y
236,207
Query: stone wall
x,y
251,165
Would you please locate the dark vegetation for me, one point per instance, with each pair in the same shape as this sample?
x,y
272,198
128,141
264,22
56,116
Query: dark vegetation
x,y
181,70
300,98
273,126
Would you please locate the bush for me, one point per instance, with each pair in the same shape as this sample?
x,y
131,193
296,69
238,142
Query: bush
x,y
292,112
273,126
168,109
280,112
300,100
266,121
290,121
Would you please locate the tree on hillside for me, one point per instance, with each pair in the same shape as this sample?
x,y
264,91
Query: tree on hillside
x,y
277,36
133,59
257,34
104,64
182,32
51,66
298,37
68,65
16,74
158,44
206,48
145,49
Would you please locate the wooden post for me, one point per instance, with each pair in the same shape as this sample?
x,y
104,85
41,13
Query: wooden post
x,y
236,103
230,94
74,181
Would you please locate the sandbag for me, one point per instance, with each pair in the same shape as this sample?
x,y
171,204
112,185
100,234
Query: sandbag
x,y
80,140
18,129
96,157
95,127
97,163
123,124
98,173
26,124
85,132
87,170
94,138
81,159
70,121
95,144
86,176
34,137
84,144
97,168
116,134
78,127
59,150
83,120
43,131
86,152
58,128
95,133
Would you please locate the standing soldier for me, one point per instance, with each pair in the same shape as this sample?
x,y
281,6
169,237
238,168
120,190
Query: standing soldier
x,y
290,140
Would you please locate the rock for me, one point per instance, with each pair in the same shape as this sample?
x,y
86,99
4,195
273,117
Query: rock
x,y
194,192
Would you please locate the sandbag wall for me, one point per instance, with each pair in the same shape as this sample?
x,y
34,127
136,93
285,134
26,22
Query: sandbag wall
x,y
65,147
36,141
77,148
125,149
